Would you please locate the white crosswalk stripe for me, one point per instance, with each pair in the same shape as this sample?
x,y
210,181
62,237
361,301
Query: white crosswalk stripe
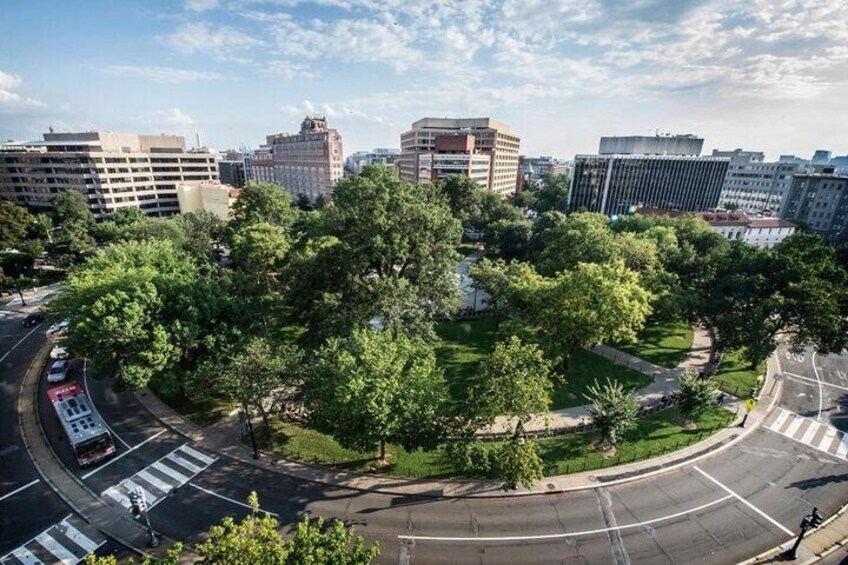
x,y
67,542
161,477
821,437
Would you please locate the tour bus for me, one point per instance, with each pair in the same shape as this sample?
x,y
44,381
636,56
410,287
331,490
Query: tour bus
x,y
86,431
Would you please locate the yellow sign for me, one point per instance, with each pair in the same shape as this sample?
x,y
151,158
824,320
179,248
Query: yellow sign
x,y
750,404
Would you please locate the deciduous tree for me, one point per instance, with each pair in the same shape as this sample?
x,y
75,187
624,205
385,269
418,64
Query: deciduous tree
x,y
695,396
613,411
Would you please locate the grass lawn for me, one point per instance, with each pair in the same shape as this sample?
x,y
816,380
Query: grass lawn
x,y
202,412
466,249
734,376
467,343
666,344
561,455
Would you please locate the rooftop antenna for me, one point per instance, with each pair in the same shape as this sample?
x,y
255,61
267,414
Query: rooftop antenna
x,y
197,134
51,129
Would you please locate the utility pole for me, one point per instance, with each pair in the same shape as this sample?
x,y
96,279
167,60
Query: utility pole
x,y
138,506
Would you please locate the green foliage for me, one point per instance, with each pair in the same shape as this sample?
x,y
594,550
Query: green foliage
x,y
510,239
314,544
553,194
71,206
136,309
262,202
517,462
15,224
171,557
16,272
514,382
373,388
613,411
463,196
258,253
695,395
581,238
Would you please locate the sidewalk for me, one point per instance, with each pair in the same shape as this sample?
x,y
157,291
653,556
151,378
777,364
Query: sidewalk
x,y
827,544
224,439
666,382
109,520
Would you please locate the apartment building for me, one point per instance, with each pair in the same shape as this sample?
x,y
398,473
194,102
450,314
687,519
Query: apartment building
x,y
455,155
491,137
755,186
819,200
113,170
309,162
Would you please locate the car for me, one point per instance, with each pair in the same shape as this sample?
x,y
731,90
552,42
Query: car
x,y
57,329
33,319
59,352
58,372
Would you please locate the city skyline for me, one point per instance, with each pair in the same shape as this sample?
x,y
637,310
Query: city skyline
x,y
752,75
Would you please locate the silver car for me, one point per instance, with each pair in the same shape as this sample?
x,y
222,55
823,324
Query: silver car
x,y
58,371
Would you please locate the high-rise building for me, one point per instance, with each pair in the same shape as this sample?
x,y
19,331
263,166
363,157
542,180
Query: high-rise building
x,y
308,163
754,186
113,170
233,168
821,157
819,200
491,138
669,178
455,155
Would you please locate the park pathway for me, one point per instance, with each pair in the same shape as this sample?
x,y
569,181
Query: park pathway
x,y
665,382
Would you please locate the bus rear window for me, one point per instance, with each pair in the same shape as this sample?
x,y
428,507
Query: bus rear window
x,y
98,443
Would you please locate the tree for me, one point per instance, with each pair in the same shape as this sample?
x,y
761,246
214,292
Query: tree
x,y
250,374
258,253
581,238
263,202
374,388
695,396
15,224
171,557
553,194
137,309
513,381
492,208
396,258
510,239
463,195
613,411
313,543
517,462
71,207
16,271
589,304
510,286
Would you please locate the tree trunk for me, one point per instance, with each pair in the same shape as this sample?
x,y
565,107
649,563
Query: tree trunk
x,y
21,294
382,450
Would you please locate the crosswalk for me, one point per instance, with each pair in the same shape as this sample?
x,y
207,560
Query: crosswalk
x,y
817,435
67,542
161,477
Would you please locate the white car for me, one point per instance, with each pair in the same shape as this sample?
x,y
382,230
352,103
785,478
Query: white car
x,y
57,329
58,372
59,352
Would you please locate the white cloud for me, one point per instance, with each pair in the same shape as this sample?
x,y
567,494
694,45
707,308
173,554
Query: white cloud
x,y
12,102
199,37
201,5
333,112
165,75
290,70
172,117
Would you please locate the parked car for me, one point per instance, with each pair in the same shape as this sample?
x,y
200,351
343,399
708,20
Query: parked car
x,y
58,372
57,329
33,319
59,352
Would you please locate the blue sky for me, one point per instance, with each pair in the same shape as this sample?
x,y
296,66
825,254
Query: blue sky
x,y
769,75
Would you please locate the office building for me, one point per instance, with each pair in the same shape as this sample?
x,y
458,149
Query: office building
x,y
455,155
819,200
532,170
213,197
491,138
385,156
685,144
113,171
821,157
615,184
308,162
754,186
233,168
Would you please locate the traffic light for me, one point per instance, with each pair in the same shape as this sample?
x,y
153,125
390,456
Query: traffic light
x,y
816,518
138,504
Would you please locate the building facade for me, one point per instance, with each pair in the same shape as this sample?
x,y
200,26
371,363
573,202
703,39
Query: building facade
x,y
233,168
113,171
614,184
455,155
759,232
213,197
491,138
754,186
819,200
386,156
681,144
308,162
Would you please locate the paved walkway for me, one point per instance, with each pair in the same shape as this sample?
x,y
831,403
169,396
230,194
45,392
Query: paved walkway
x,y
665,382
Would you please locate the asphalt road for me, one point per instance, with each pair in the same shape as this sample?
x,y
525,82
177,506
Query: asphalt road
x,y
721,510
816,386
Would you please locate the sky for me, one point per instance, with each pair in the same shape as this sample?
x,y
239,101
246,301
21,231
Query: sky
x,y
764,75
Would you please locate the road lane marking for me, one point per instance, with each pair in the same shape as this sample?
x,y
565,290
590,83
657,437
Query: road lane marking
x,y
825,444
57,549
818,379
813,381
793,427
197,455
842,451
17,490
567,534
155,481
183,462
784,529
222,497
782,416
94,406
810,433
133,486
19,342
182,479
77,536
25,556
100,468
117,496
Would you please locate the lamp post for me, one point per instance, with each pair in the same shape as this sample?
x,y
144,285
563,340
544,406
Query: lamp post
x,y
246,424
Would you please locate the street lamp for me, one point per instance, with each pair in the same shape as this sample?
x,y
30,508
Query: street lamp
x,y
138,506
812,520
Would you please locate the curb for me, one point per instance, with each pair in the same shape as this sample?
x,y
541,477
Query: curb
x,y
433,489
37,364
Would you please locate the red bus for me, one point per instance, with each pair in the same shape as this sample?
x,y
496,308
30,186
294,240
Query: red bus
x,y
86,431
